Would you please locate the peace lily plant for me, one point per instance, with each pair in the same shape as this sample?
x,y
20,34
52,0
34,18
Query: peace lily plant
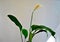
x,y
34,29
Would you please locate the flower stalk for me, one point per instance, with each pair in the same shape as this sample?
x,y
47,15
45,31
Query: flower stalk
x,y
30,30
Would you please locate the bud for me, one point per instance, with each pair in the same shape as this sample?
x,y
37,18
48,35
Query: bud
x,y
37,6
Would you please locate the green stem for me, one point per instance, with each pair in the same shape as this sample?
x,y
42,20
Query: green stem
x,y
31,20
21,36
30,40
30,37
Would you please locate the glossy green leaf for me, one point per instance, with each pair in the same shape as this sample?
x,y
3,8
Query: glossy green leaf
x,y
14,19
42,27
25,33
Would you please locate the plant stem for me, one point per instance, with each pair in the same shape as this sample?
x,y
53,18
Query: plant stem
x,y
31,20
21,36
30,27
30,37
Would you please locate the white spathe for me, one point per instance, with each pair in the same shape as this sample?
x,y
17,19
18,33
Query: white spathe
x,y
51,39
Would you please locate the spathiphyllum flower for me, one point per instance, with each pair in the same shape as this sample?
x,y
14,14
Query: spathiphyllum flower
x,y
37,6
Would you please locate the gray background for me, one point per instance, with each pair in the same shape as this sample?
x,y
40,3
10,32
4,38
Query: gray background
x,y
48,15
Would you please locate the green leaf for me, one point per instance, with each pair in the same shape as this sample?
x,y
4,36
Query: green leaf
x,y
25,33
14,19
42,27
41,31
